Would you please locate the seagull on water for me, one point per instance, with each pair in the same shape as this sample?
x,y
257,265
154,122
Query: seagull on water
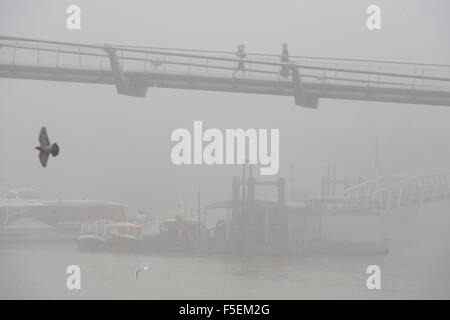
x,y
142,267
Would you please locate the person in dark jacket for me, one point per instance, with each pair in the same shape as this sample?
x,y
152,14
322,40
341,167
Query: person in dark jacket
x,y
241,54
284,58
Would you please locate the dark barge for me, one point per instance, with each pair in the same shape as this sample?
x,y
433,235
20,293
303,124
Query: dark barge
x,y
247,225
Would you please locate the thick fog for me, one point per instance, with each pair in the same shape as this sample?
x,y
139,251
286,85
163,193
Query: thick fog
x,y
116,147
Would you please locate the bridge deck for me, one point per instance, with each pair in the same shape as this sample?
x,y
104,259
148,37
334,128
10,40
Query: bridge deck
x,y
330,89
130,68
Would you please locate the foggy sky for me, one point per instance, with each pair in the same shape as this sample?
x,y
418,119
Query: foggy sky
x,y
116,147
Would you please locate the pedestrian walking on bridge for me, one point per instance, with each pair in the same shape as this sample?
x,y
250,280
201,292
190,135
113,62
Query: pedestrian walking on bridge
x,y
241,54
284,58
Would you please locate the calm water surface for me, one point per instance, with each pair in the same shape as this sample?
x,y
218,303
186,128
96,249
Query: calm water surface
x,y
418,266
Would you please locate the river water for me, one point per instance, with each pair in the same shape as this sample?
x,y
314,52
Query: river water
x,y
417,266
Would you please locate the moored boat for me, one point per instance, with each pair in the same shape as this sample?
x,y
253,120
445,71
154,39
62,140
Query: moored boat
x,y
125,236
24,216
93,235
121,236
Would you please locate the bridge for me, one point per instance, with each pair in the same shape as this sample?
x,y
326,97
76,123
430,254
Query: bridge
x,y
133,69
402,190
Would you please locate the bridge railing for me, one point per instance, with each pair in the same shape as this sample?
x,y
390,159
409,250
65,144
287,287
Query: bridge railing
x,y
326,68
21,51
64,56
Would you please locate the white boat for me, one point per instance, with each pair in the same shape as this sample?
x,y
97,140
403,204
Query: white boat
x,y
115,236
23,216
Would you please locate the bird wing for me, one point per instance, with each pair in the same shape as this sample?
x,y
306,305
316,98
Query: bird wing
x,y
136,273
43,157
43,137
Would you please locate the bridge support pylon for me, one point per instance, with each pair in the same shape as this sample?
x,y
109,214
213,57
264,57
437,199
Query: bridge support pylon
x,y
302,97
124,84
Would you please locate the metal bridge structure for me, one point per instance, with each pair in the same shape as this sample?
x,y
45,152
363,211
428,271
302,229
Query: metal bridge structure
x,y
402,190
133,70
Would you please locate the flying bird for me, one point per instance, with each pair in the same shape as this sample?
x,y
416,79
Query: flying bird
x,y
45,148
142,267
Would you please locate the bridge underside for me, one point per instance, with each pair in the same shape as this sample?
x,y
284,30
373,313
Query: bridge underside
x,y
197,81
